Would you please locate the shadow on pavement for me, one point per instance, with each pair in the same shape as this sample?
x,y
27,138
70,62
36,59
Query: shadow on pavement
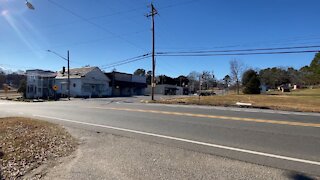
x,y
299,176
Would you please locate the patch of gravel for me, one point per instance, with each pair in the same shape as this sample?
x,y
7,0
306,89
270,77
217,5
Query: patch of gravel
x,y
25,144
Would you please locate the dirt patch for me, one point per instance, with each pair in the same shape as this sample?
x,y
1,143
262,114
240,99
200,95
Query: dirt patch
x,y
25,144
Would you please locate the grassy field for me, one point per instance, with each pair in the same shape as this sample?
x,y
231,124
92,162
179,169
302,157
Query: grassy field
x,y
306,100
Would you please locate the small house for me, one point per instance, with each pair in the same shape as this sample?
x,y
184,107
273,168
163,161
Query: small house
x,y
84,82
39,83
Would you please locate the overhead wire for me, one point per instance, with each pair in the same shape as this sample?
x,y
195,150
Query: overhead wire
x,y
239,50
177,4
275,43
126,61
141,57
99,16
92,23
240,54
184,53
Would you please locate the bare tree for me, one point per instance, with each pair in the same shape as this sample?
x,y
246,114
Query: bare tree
x,y
236,68
193,78
209,80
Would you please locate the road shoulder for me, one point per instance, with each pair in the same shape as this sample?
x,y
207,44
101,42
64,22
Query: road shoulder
x,y
106,156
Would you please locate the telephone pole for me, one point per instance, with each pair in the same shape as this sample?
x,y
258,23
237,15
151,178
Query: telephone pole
x,y
68,59
153,83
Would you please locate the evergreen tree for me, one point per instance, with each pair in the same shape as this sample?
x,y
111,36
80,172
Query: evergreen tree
x,y
251,82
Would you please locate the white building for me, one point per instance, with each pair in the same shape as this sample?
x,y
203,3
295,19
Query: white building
x,y
84,82
166,89
39,83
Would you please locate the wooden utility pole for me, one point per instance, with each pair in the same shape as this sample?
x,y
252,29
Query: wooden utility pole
x,y
68,60
153,83
199,92
68,75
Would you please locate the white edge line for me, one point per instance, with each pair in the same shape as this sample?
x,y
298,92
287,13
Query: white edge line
x,y
189,141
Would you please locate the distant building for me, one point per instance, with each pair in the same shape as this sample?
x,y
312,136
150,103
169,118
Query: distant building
x,y
39,83
263,88
124,84
296,86
167,89
84,82
284,88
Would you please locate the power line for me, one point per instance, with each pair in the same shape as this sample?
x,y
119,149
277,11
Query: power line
x,y
241,54
177,4
72,44
116,62
117,13
126,61
115,65
141,57
272,43
98,17
239,50
92,23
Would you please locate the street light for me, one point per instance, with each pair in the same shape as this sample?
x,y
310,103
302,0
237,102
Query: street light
x,y
29,5
67,59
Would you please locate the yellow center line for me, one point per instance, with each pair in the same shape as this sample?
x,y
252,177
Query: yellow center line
x,y
215,117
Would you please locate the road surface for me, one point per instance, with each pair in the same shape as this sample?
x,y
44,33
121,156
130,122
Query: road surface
x,y
284,140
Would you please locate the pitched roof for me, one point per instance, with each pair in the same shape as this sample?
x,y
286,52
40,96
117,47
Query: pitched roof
x,y
77,72
40,73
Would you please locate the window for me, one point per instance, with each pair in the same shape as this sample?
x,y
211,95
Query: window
x,y
31,89
74,84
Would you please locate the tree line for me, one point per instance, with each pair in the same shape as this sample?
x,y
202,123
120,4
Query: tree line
x,y
273,77
13,79
242,78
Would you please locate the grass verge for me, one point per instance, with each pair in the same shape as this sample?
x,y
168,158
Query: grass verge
x,y
307,100
25,144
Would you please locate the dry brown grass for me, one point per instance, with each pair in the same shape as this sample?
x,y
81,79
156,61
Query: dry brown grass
x,y
307,100
10,94
26,144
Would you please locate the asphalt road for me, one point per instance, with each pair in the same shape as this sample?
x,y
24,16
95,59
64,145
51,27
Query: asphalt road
x,y
284,140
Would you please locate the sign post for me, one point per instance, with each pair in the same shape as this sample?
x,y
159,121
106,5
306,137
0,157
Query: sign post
x,y
6,89
55,88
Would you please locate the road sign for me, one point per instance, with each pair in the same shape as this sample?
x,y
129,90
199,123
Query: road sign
x,y
55,87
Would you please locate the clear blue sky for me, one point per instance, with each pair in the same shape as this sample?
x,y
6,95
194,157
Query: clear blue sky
x,y
123,32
